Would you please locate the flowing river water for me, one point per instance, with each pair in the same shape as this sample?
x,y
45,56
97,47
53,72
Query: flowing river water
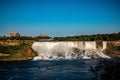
x,y
77,69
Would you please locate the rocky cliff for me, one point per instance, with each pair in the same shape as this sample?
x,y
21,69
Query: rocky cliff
x,y
113,49
24,51
15,42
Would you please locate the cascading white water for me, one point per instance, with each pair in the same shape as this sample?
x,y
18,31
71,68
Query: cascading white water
x,y
90,45
67,50
104,45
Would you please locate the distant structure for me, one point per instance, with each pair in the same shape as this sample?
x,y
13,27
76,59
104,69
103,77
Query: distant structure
x,y
11,33
43,35
17,35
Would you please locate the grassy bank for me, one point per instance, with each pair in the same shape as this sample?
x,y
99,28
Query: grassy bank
x,y
20,52
10,49
113,51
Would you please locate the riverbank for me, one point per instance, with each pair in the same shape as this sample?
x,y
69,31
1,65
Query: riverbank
x,y
113,49
20,50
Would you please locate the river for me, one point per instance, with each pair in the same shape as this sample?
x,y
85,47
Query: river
x,y
76,69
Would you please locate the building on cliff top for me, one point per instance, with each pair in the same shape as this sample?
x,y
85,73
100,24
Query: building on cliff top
x,y
43,35
17,35
11,33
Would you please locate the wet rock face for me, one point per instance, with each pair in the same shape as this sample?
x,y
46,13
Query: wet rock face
x,y
28,52
99,44
75,50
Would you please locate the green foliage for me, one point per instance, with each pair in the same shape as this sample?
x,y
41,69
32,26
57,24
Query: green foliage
x,y
115,48
24,38
104,37
9,49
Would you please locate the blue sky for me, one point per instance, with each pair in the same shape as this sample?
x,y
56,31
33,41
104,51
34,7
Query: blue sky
x,y
59,17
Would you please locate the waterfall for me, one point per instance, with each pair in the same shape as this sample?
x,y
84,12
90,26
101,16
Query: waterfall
x,y
68,50
90,45
104,45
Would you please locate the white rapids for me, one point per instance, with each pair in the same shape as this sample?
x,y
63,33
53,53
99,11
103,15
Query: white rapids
x,y
68,50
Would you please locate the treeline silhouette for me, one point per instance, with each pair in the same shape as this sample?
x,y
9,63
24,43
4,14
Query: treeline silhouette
x,y
104,37
23,38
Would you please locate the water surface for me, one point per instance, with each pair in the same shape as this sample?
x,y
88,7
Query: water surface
x,y
78,69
